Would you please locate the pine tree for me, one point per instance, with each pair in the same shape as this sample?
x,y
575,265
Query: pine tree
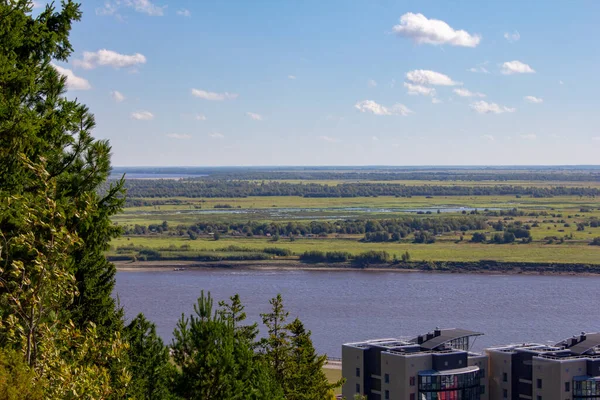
x,y
148,360
276,345
305,378
215,362
39,126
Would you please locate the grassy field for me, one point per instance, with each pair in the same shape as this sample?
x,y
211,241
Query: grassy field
x,y
333,375
439,251
567,212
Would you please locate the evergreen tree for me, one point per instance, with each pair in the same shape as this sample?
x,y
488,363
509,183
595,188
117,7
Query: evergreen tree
x,y
215,362
234,312
39,126
148,360
276,345
305,379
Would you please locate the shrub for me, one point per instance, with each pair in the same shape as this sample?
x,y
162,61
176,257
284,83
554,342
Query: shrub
x,y
595,242
478,237
278,251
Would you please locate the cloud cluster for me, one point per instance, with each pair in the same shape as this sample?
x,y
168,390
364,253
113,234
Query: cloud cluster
x,y
142,115
372,83
74,82
179,136
200,117
427,77
216,135
254,116
415,90
433,31
483,107
512,37
369,106
109,58
516,67
141,6
462,92
533,99
213,96
117,96
184,13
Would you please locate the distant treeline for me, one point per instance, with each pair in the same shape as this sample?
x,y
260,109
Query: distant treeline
x,y
397,226
572,174
194,188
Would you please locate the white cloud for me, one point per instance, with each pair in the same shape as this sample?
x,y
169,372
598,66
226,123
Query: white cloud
x,y
529,136
426,77
292,77
203,94
533,99
375,139
512,37
254,116
483,107
374,108
216,135
328,139
480,69
516,67
371,83
433,31
117,96
142,115
435,100
110,58
467,93
488,137
141,6
200,117
561,83
184,13
419,90
180,136
74,82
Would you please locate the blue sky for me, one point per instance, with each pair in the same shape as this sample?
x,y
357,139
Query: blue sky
x,y
371,82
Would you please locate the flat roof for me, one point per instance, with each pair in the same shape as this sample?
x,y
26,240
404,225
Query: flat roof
x,y
445,336
587,342
457,371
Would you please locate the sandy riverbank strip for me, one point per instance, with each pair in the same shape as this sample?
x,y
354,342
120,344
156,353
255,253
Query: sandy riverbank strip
x,y
292,265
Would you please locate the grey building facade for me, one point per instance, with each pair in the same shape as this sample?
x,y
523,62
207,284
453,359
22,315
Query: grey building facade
x,y
568,370
434,366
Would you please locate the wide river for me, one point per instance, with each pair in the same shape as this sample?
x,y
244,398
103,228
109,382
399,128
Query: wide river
x,y
347,306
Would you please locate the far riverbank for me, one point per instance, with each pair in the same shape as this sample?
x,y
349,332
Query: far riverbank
x,y
481,267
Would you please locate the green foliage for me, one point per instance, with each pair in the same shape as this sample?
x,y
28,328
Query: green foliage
x,y
17,379
305,379
595,242
215,362
478,237
148,361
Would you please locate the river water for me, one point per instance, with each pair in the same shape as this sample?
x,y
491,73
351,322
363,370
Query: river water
x,y
346,306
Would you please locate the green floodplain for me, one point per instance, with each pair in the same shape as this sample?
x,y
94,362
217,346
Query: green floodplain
x,y
561,229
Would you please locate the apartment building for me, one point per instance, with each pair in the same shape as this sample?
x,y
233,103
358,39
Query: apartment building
x,y
434,366
568,370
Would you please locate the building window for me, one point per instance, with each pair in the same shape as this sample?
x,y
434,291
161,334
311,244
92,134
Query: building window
x,y
504,377
412,396
412,381
567,386
387,395
358,372
539,383
358,388
505,394
482,373
387,378
482,389
539,398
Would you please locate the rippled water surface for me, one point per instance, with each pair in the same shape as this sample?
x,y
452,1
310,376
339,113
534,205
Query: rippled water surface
x,y
345,306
